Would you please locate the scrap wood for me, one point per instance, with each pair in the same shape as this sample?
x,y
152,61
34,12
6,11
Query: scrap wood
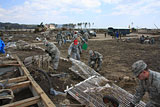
x,y
7,94
58,75
14,80
25,103
9,62
3,65
45,99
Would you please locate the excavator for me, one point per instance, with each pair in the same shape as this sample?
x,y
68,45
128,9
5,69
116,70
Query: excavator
x,y
40,28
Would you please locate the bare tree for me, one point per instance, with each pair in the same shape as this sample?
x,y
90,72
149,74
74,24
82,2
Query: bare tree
x,y
89,24
85,25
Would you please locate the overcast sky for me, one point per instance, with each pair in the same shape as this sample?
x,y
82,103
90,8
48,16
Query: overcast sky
x,y
103,13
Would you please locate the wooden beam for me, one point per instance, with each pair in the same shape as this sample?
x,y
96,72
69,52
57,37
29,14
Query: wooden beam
x,y
20,85
10,62
44,97
18,79
24,103
4,65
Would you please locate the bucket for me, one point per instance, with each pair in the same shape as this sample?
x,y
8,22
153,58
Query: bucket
x,y
84,46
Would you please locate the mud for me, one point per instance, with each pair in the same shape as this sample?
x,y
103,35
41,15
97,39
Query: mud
x,y
118,56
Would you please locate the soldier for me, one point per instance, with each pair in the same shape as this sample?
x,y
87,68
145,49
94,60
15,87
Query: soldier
x,y
152,40
142,39
149,81
79,38
73,50
105,34
53,52
85,36
59,38
75,36
95,57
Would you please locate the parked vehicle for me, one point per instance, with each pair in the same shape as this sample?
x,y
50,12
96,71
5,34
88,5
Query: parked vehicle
x,y
112,31
92,33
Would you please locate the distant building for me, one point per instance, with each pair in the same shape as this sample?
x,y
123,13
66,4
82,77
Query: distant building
x,y
50,26
151,31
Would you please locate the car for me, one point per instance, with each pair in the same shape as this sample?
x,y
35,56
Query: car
x,y
92,33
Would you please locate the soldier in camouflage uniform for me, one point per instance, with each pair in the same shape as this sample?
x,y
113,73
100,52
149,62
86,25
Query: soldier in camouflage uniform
x,y
149,81
95,57
75,36
53,52
85,36
59,38
73,50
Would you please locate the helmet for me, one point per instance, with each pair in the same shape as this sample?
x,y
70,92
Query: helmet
x,y
138,67
75,42
45,42
92,62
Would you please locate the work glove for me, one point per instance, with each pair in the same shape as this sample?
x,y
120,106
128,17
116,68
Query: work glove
x,y
131,105
98,69
68,56
46,51
50,54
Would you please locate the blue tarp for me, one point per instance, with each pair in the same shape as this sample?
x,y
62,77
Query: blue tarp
x,y
2,45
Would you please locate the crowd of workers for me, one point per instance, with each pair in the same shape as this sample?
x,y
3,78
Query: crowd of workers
x,y
78,43
149,81
146,40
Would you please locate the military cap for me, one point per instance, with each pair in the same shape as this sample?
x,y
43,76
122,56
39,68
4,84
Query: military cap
x,y
45,42
138,67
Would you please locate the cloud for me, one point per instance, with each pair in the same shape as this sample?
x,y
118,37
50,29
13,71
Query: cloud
x,y
140,7
98,11
63,11
112,1
90,3
32,9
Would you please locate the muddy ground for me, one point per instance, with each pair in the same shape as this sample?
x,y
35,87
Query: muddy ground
x,y
118,56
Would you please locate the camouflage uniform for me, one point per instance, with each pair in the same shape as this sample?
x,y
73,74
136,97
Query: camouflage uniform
x,y
74,51
59,39
151,85
85,36
54,53
75,36
95,57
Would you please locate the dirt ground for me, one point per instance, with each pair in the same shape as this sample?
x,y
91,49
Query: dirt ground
x,y
118,56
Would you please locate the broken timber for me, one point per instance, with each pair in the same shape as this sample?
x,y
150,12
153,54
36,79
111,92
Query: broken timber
x,y
26,80
89,91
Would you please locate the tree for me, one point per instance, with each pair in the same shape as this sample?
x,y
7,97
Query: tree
x,y
89,24
81,25
85,24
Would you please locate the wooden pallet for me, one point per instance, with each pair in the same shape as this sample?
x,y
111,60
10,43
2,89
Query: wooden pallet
x,y
26,80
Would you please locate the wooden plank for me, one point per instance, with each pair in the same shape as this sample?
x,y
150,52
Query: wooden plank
x,y
18,79
9,62
24,103
35,94
4,65
20,85
44,97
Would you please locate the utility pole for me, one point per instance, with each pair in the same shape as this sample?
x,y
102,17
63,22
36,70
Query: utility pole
x,y
156,26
